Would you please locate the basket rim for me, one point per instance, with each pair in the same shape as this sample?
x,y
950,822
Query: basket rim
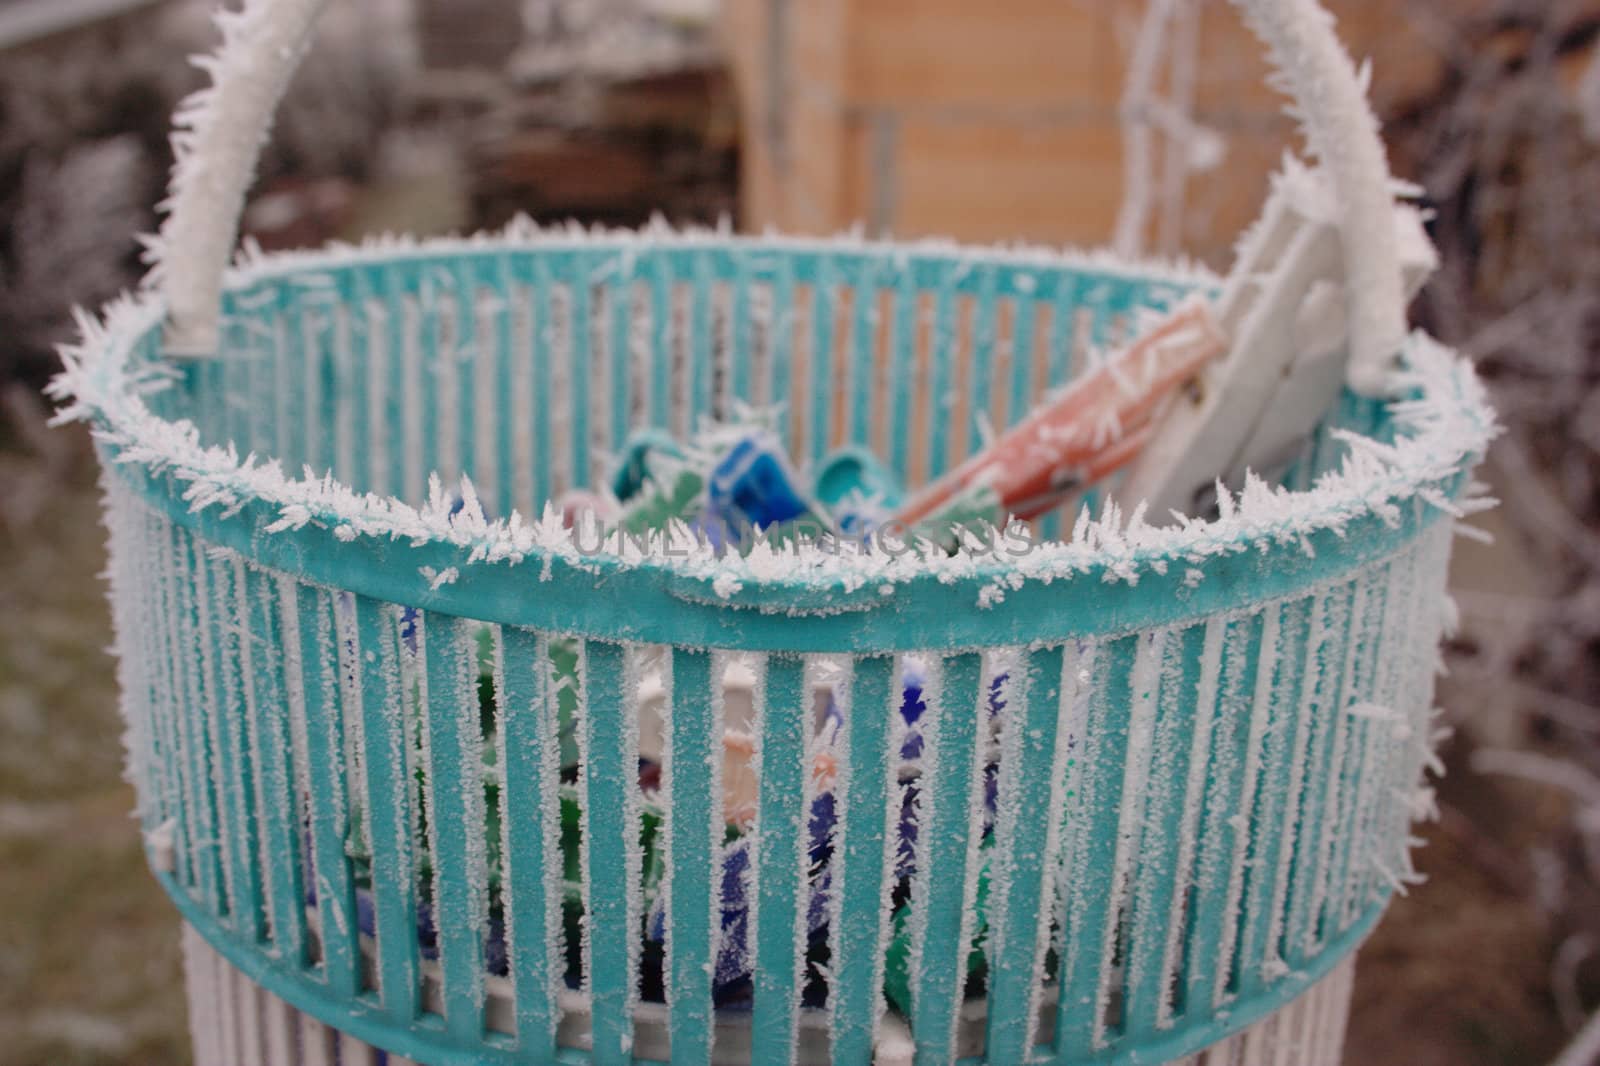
x,y
1443,414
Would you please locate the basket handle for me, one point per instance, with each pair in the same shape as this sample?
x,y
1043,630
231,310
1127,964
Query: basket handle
x,y
221,129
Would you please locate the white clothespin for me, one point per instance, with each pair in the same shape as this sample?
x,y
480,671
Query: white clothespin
x,y
1283,308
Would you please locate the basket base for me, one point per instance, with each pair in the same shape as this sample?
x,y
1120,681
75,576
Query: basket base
x,y
235,1022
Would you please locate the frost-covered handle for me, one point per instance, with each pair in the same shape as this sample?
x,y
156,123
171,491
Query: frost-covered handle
x,y
220,131
1331,102
217,139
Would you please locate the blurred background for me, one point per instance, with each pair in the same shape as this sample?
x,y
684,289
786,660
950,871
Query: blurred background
x,y
1142,124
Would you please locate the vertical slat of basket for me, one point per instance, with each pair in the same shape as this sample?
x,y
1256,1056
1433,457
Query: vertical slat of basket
x,y
1218,831
902,368
196,714
128,571
741,349
1183,725
1301,628
1089,911
1318,703
1384,748
1321,796
611,844
361,393
543,316
702,343
661,372
984,361
275,762
1372,593
863,409
1024,344
167,701
780,919
1024,797
942,357
455,812
1336,822
430,390
824,318
235,757
783,325
468,358
694,824
343,386
580,350
945,882
1258,685
512,414
619,346
329,806
862,858
529,728
388,798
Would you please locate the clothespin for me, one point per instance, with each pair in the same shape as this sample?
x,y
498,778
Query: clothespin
x,y
857,490
1084,432
753,486
1282,308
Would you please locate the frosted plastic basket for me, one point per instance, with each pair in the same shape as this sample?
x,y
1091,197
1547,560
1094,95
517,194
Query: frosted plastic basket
x,y
1204,742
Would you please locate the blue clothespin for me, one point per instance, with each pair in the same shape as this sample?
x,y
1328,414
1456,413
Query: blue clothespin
x,y
752,485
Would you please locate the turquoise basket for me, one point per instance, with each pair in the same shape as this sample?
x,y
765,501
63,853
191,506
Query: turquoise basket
x,y
387,745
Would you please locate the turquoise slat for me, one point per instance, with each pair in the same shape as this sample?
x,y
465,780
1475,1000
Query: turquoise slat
x,y
824,301
356,380
1319,681
984,365
784,322
1089,875
170,701
1016,903
330,811
661,376
701,342
1023,337
611,840
695,831
741,352
942,355
394,374
455,815
1334,822
856,969
1176,724
280,830
785,719
1321,774
1218,831
1374,589
431,325
1255,943
388,798
506,429
863,352
468,357
207,844
233,754
902,382
952,781
620,347
543,326
580,337
531,819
